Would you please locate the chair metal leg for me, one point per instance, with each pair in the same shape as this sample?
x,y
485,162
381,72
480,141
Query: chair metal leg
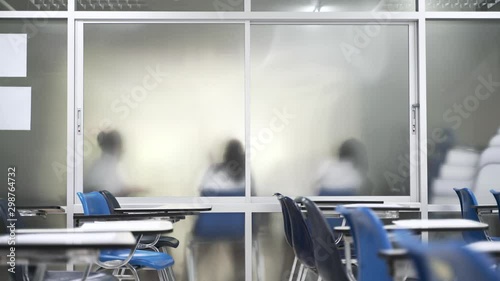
x,y
301,269
114,273
293,269
166,274
161,275
134,272
190,263
40,272
86,272
170,274
306,270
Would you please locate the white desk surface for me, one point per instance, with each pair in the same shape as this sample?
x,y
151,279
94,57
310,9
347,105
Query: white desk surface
x,y
485,246
132,226
381,206
373,205
485,206
347,229
345,200
441,224
137,226
168,208
69,239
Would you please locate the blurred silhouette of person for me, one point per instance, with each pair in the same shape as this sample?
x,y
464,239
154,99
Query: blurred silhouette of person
x,y
228,176
348,175
226,231
106,172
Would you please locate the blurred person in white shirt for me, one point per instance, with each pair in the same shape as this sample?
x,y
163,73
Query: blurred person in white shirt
x,y
107,173
346,176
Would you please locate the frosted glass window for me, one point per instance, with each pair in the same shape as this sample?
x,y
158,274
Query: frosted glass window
x,y
332,5
175,94
159,5
329,115
463,66
462,5
40,154
34,5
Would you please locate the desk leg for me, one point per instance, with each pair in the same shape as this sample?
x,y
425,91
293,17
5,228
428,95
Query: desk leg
x,y
86,272
348,261
40,272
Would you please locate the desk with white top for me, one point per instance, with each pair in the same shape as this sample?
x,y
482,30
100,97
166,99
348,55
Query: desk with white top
x,y
172,212
78,247
414,225
90,236
134,226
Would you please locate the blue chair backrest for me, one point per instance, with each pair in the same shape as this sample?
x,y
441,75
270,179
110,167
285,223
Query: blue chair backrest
x,y
455,262
286,219
326,254
221,226
466,264
301,238
496,194
94,203
370,238
467,200
111,200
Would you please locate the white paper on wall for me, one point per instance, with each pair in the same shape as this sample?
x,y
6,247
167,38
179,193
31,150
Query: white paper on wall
x,y
13,55
15,108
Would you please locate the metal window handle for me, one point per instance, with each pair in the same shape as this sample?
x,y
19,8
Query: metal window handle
x,y
79,121
414,108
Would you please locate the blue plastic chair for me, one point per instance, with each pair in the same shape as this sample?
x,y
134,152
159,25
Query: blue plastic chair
x,y
459,263
326,254
164,241
215,227
288,230
467,201
23,273
286,219
496,194
370,238
221,226
95,204
301,237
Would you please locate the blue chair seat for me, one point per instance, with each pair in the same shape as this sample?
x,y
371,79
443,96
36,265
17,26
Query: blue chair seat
x,y
467,201
494,238
220,226
150,259
164,241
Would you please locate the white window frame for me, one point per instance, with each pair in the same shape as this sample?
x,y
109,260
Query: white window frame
x,y
418,94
